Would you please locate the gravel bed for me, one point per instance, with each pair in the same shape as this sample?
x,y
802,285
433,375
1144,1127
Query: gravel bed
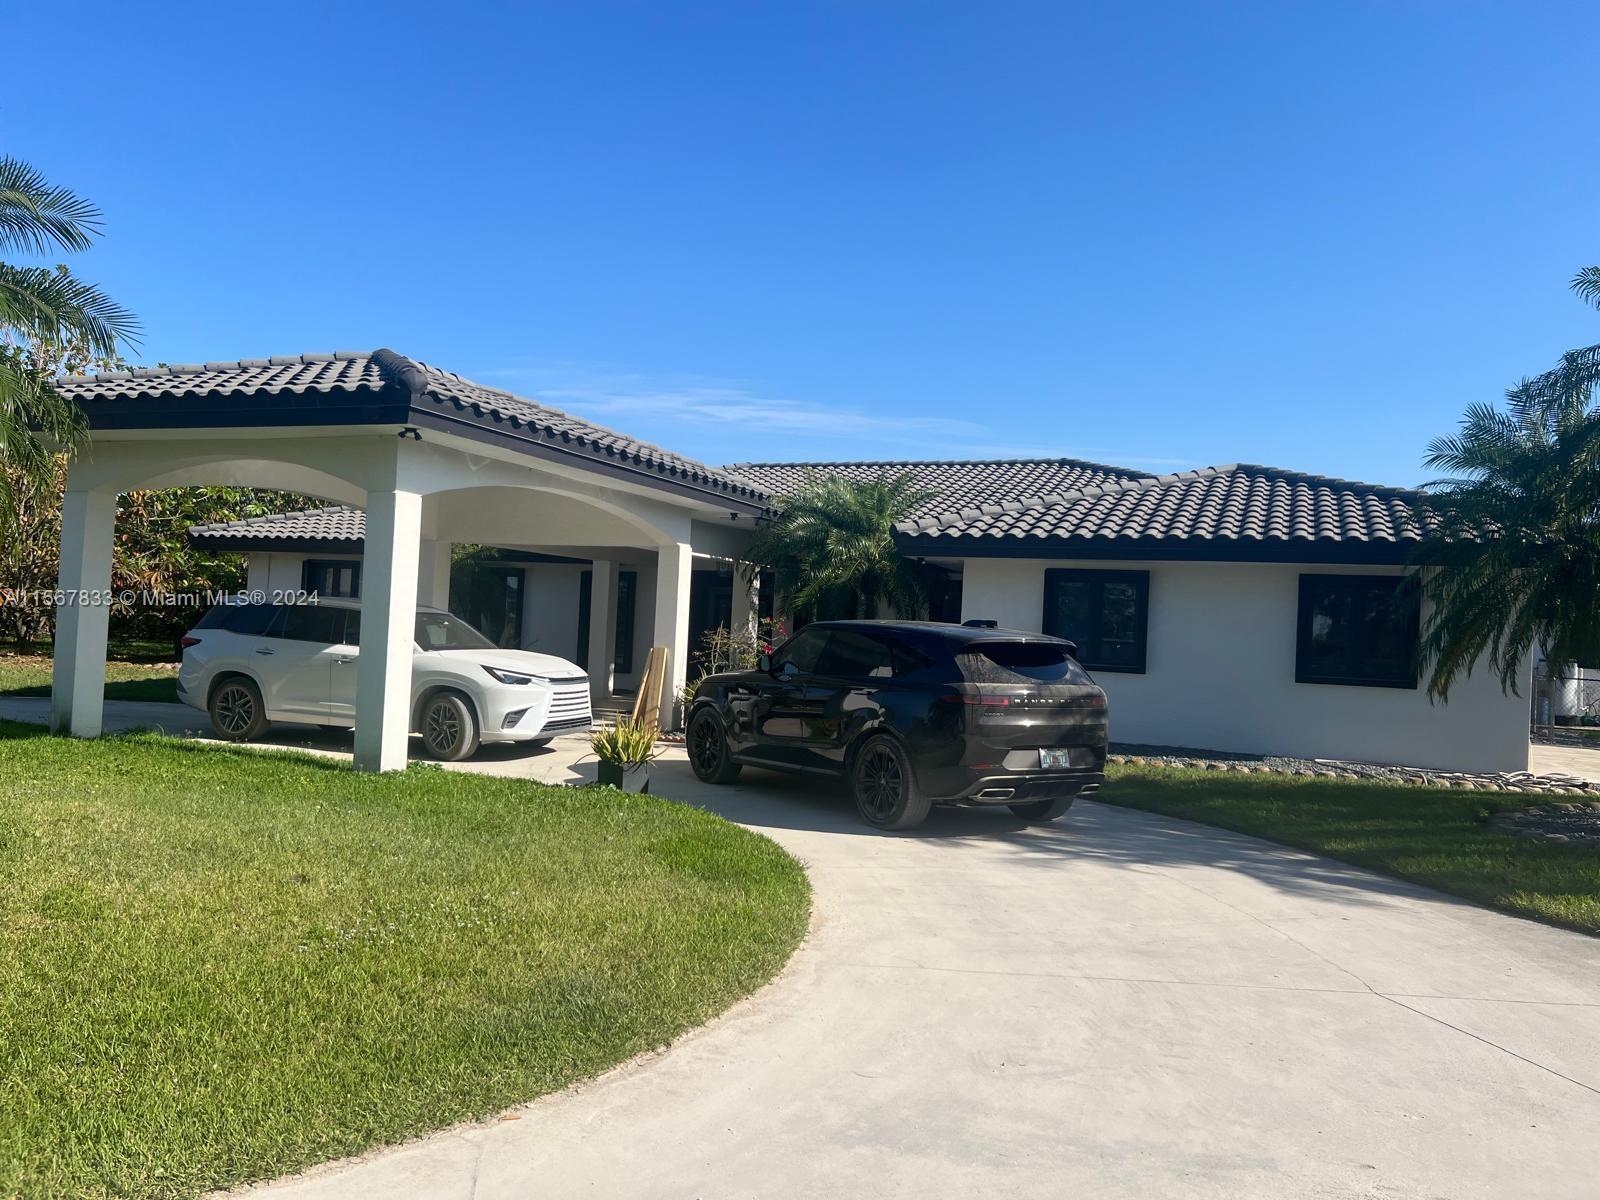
x,y
1327,768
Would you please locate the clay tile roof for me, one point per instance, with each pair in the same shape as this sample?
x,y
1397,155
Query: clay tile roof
x,y
1234,506
956,484
360,384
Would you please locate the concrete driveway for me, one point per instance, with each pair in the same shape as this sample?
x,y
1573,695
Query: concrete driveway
x,y
1118,1005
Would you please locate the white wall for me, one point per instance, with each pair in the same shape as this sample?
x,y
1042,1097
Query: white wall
x,y
1220,672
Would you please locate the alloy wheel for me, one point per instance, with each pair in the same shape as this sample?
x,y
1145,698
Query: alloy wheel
x,y
881,782
706,746
442,730
236,709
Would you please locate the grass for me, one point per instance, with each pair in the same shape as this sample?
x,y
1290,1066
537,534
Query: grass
x,y
1433,836
134,672
219,965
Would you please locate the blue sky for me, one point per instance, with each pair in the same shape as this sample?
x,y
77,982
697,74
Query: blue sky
x,y
1166,235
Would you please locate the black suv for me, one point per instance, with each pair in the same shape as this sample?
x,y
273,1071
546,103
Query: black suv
x,y
913,714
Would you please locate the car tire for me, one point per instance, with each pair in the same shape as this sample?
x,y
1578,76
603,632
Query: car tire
x,y
449,727
885,787
1043,810
707,744
236,710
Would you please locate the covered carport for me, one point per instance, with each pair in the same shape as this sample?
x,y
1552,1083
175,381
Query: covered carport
x,y
433,459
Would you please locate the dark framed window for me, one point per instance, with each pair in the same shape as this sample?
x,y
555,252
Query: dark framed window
x,y
627,608
1107,613
331,576
1358,630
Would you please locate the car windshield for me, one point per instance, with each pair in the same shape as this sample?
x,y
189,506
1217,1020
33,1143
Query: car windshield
x,y
441,631
1015,662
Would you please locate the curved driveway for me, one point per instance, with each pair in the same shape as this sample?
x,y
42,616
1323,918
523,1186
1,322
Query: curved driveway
x,y
1115,1005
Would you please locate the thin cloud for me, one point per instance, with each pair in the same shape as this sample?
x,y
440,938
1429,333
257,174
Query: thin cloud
x,y
733,412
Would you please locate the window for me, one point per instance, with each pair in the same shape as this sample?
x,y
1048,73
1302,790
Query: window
x,y
801,651
308,623
622,648
1359,630
851,654
251,620
627,592
1105,613
441,631
331,576
1019,662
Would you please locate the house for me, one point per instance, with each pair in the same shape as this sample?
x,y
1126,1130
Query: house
x,y
1237,608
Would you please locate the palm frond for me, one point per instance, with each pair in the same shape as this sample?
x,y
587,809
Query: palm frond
x,y
55,308
1587,284
36,217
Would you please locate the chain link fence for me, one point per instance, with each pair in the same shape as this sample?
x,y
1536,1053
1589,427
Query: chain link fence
x,y
1570,696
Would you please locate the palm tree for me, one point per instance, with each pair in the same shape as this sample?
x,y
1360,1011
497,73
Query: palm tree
x,y
831,550
49,321
1519,565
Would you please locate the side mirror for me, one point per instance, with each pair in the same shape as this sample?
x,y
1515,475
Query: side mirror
x,y
764,662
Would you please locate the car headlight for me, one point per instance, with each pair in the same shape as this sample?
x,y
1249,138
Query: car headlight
x,y
505,676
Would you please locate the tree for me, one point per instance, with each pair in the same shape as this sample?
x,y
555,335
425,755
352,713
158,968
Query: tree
x,y
1518,564
49,319
831,550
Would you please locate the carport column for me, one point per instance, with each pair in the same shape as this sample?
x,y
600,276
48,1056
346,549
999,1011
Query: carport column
x,y
602,628
78,684
674,564
388,622
433,573
746,603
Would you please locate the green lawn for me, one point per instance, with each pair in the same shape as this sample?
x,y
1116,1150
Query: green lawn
x,y
219,965
1430,835
135,672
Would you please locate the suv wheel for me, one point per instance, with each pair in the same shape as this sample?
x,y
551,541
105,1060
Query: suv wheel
x,y
885,790
708,749
237,713
1042,810
449,728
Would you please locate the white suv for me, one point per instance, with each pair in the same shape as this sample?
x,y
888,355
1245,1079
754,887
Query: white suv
x,y
250,664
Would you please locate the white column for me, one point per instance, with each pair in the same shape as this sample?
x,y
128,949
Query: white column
x,y
433,573
78,682
602,628
388,618
746,602
674,564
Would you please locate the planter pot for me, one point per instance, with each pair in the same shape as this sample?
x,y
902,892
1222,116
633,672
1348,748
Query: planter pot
x,y
630,778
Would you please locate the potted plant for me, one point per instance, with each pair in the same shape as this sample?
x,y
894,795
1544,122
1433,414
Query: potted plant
x,y
625,751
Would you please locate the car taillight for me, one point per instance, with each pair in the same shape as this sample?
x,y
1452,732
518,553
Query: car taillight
x,y
187,642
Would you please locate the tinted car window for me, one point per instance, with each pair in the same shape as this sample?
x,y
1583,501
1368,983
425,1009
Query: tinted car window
x,y
249,619
854,655
801,651
309,623
1020,662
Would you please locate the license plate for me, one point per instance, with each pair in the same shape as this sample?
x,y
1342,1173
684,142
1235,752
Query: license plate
x,y
1056,758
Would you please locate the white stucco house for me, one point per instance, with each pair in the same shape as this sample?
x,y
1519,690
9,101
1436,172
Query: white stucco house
x,y
1236,608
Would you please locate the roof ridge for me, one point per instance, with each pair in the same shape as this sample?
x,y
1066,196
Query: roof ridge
x,y
1054,460
1331,481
